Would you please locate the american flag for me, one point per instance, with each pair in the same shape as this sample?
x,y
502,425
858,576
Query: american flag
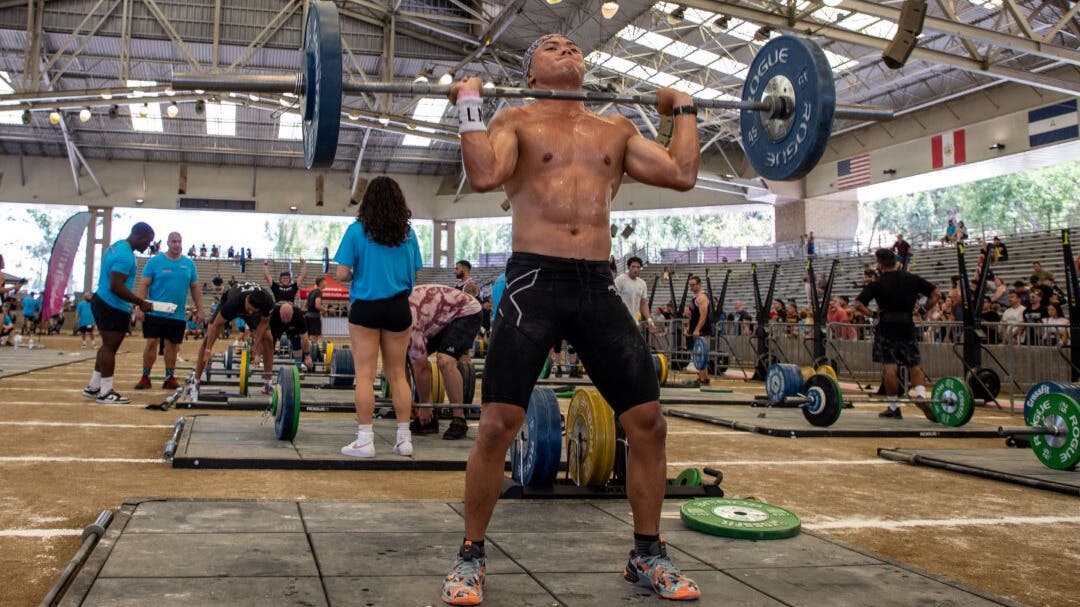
x,y
853,172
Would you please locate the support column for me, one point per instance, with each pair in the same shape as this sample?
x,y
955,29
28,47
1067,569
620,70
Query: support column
x,y
832,217
442,243
104,214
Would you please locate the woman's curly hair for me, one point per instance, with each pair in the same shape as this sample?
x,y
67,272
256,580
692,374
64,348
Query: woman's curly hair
x,y
384,213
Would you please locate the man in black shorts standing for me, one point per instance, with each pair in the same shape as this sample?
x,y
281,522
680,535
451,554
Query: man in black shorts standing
x,y
561,166
315,309
700,323
251,302
895,339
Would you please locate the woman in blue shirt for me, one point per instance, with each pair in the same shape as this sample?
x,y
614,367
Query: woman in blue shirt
x,y
379,254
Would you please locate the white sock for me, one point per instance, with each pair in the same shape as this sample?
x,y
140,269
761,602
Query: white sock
x,y
893,405
365,431
920,391
95,380
403,431
106,385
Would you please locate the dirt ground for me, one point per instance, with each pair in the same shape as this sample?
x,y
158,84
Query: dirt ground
x,y
949,524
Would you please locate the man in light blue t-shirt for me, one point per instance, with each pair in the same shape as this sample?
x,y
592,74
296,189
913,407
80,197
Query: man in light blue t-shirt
x,y
168,276
84,320
111,306
31,309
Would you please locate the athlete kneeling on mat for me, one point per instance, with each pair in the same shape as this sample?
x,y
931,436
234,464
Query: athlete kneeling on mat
x,y
251,302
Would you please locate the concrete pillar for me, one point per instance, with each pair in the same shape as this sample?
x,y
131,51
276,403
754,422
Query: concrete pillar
x,y
104,214
442,243
832,217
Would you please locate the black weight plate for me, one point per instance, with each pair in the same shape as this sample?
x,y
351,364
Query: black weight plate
x,y
984,382
321,98
826,400
468,381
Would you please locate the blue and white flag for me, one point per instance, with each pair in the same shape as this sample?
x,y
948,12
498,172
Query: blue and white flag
x,y
1053,123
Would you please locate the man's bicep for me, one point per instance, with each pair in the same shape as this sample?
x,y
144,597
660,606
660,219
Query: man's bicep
x,y
504,144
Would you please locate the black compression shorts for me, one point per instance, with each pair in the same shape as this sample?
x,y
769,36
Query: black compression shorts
x,y
548,299
458,336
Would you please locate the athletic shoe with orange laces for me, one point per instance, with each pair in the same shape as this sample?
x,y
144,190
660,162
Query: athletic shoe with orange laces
x,y
464,584
656,571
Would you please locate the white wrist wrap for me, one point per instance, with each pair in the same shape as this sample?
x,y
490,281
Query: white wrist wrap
x,y
470,114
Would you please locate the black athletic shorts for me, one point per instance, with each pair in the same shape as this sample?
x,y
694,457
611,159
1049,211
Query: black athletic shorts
x,y
109,318
458,336
391,314
86,329
314,326
548,299
159,327
892,351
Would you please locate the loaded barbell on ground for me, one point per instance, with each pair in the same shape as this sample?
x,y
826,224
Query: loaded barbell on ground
x,y
787,106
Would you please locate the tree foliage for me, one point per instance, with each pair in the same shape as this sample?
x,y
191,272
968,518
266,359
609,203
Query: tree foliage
x,y
1033,200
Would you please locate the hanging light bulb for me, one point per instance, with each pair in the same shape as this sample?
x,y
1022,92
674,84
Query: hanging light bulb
x,y
489,85
54,117
609,8
446,78
84,115
553,1
172,110
253,97
354,116
170,92
384,119
832,3
106,95
144,111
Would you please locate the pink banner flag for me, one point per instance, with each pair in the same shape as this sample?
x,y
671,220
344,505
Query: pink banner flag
x,y
63,257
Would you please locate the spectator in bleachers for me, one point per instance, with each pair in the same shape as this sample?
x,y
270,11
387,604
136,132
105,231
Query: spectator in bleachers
x,y
950,233
1020,287
202,250
231,252
1013,315
7,327
779,312
999,252
902,248
249,253
214,251
1058,332
838,313
811,247
191,252
1038,274
464,280
991,316
1000,293
961,232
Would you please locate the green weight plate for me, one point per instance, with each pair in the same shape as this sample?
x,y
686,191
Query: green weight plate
x,y
951,402
565,394
739,519
545,372
1062,412
691,477
275,397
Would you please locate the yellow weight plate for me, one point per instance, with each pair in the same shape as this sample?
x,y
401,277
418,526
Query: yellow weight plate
x,y
664,368
245,363
827,370
438,390
590,438
328,357
807,371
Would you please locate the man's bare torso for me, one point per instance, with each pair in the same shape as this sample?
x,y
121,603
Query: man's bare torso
x,y
569,168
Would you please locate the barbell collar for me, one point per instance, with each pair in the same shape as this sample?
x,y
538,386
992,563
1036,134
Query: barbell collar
x,y
1031,431
294,84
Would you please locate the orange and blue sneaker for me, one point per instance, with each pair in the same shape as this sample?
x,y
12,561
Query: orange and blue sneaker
x,y
656,571
464,584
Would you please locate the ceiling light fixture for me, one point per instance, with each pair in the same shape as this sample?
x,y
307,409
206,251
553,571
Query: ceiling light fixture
x,y
54,117
763,33
106,95
675,16
84,115
422,76
354,116
447,78
997,147
384,119
889,172
489,85
200,107
172,111
831,3
609,8
170,92
144,110
114,112
294,208
553,1
139,201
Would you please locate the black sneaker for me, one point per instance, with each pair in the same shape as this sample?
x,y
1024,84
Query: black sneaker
x,y
891,413
432,427
457,430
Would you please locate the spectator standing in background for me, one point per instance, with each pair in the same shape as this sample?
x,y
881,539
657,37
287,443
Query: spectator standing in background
x,y
902,248
811,248
999,252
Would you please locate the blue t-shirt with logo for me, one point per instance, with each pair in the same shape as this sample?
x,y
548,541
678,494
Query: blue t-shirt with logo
x,y
31,306
118,258
170,281
379,271
85,314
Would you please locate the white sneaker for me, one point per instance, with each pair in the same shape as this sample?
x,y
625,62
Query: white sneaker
x,y
363,446
113,398
404,445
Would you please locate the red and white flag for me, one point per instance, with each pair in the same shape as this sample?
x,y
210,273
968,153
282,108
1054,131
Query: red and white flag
x,y
948,149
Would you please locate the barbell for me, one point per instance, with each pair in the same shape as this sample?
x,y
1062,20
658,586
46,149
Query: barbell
x,y
787,106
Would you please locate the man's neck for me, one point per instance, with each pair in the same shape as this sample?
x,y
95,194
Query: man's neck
x,y
171,256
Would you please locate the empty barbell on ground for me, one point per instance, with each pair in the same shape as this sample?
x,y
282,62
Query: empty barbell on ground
x,y
787,105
